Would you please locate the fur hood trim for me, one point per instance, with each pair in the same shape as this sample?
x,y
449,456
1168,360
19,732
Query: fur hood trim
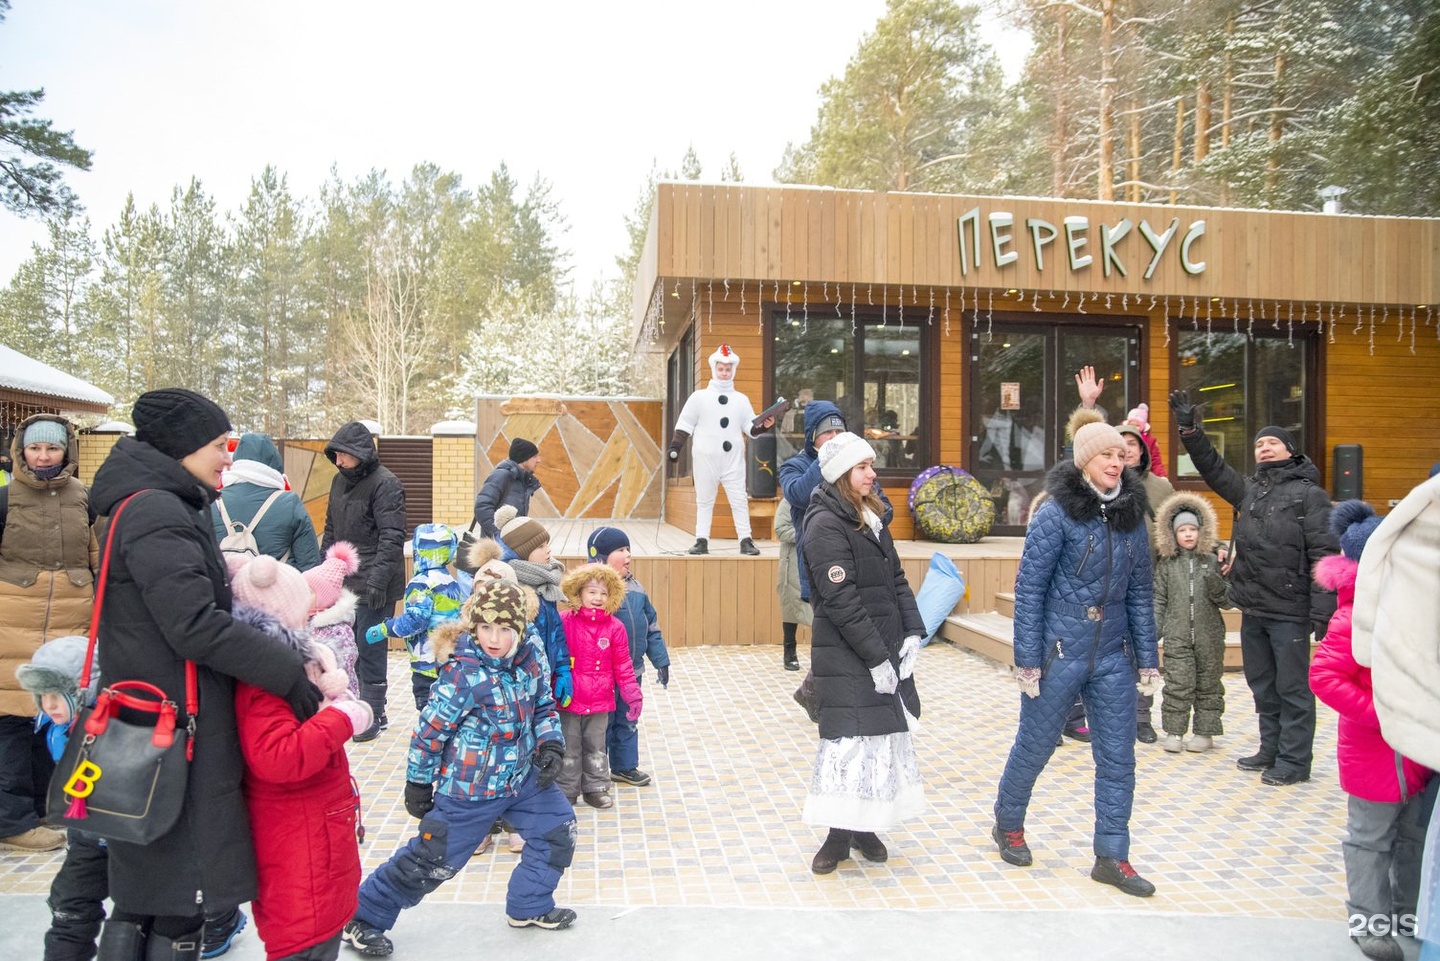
x,y
341,612
1079,417
482,551
1067,485
571,583
270,624
1336,572
444,639
1165,544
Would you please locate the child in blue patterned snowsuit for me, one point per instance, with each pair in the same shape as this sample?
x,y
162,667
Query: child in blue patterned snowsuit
x,y
487,745
432,599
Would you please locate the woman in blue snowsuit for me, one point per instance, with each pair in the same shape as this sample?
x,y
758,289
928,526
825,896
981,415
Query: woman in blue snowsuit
x,y
1084,624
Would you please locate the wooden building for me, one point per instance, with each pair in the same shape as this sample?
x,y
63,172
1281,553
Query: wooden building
x,y
950,328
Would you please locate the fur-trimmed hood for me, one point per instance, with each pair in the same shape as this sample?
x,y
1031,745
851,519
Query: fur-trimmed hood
x,y
1336,573
1165,544
572,582
341,612
270,624
1128,428
1067,485
445,639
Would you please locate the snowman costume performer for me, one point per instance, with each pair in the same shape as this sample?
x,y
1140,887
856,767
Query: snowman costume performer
x,y
719,417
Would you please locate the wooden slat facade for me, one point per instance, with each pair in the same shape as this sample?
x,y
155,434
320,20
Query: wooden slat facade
x,y
1365,289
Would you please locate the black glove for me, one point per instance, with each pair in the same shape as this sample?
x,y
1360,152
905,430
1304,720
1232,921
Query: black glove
x,y
419,798
375,597
1321,628
677,443
1187,414
303,698
662,674
549,757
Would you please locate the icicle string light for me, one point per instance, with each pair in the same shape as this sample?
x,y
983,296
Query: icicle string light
x,y
1167,319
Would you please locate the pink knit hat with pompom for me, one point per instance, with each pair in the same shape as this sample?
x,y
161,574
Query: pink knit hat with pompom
x,y
275,588
328,577
1140,417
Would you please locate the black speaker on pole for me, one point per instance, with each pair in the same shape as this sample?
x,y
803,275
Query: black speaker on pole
x,y
761,475
1349,479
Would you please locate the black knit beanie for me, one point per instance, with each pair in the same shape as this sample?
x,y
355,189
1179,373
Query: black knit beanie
x,y
1280,434
177,422
522,450
604,541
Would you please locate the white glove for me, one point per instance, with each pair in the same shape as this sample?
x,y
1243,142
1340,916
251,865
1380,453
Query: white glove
x,y
1149,683
909,651
1029,680
884,677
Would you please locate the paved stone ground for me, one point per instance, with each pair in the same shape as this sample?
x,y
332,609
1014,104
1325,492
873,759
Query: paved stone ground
x,y
712,860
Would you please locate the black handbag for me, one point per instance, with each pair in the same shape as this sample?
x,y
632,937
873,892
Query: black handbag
x,y
118,779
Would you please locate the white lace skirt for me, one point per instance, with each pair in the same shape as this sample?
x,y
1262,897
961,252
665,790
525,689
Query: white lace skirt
x,y
865,783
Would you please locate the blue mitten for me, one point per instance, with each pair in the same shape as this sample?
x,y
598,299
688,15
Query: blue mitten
x,y
564,685
375,634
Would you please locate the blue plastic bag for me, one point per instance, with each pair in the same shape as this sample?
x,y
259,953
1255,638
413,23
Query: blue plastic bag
x,y
939,593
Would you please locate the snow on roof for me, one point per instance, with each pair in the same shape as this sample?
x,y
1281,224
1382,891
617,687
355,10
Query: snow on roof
x,y
18,372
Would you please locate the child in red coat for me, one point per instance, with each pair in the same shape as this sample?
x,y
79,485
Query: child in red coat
x,y
1382,848
600,656
304,806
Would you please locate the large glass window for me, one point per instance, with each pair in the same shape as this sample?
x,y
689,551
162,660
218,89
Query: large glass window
x,y
1245,384
679,385
870,368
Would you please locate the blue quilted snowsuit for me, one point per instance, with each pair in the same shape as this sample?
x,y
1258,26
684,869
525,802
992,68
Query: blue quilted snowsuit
x,y
1084,613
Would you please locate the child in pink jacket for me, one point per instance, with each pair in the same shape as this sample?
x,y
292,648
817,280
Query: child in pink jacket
x,y
600,659
1382,849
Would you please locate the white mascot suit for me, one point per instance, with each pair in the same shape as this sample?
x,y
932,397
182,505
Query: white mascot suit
x,y
719,418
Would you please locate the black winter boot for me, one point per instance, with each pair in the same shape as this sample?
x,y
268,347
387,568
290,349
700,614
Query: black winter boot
x,y
870,847
184,948
374,695
792,663
702,546
835,849
121,941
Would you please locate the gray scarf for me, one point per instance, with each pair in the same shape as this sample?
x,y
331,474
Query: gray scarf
x,y
545,579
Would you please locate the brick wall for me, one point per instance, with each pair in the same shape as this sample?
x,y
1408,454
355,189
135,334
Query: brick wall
x,y
454,483
94,448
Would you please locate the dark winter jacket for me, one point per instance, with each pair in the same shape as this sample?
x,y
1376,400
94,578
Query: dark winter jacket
x,y
1281,531
864,610
168,601
800,475
642,628
508,483
286,528
367,508
1189,588
1081,554
303,809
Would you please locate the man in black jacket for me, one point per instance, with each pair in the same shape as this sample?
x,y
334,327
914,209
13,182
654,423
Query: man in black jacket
x,y
367,508
511,482
1281,530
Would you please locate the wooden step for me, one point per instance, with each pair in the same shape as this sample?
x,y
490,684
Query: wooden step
x,y
989,634
993,635
1005,604
1232,618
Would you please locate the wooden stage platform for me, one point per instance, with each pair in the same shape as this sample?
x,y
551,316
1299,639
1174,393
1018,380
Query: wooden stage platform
x,y
727,598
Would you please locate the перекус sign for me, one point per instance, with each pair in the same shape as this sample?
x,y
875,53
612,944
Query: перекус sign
x,y
1041,233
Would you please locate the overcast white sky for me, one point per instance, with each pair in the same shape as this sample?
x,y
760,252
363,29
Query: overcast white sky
x,y
586,95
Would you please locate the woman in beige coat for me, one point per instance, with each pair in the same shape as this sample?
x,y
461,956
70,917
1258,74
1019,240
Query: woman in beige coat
x,y
48,557
793,611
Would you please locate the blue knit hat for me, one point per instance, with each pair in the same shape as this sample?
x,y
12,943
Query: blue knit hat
x,y
603,541
1353,521
46,432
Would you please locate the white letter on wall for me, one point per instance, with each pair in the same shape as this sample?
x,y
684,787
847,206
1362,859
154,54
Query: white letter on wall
x,y
999,221
1157,243
973,216
1196,231
1042,232
1077,226
1109,237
